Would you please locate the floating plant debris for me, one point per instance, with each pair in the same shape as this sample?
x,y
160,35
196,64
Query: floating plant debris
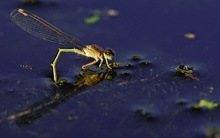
x,y
30,2
145,63
98,14
128,65
182,102
186,70
91,20
205,104
211,89
105,12
112,13
26,67
34,2
190,35
135,58
125,73
212,132
115,65
142,112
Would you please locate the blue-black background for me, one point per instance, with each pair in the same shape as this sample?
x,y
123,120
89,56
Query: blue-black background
x,y
153,30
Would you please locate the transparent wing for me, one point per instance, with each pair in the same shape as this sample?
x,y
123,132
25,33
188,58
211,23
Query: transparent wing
x,y
38,27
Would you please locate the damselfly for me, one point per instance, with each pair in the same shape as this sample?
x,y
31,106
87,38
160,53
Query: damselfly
x,y
38,27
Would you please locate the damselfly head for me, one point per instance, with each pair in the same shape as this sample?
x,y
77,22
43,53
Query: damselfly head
x,y
109,53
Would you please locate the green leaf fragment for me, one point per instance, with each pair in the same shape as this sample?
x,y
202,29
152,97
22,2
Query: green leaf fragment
x,y
207,104
92,19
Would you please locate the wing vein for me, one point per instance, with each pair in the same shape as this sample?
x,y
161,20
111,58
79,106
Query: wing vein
x,y
40,28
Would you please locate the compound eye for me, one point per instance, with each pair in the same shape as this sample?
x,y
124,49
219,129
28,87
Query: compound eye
x,y
110,52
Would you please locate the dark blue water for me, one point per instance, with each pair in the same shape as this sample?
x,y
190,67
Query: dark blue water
x,y
140,100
